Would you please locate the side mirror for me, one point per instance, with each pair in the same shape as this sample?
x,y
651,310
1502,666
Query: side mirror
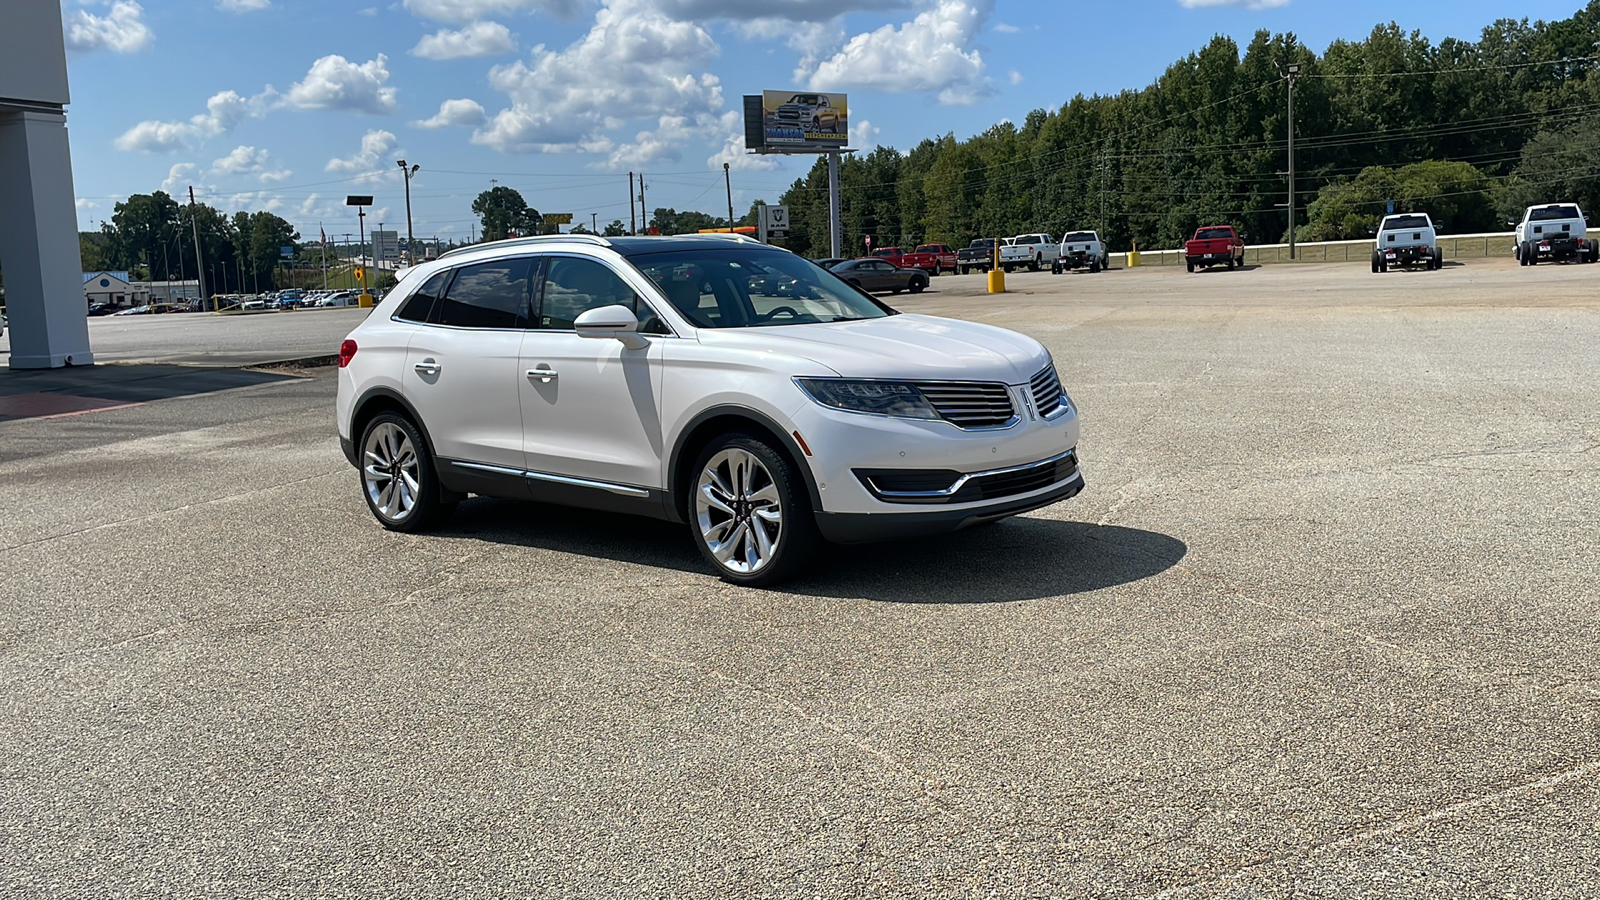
x,y
615,321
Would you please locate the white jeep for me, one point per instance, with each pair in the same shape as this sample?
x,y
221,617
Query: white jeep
x,y
1406,240
1555,231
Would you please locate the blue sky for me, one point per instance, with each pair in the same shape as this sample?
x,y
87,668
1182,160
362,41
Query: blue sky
x,y
290,105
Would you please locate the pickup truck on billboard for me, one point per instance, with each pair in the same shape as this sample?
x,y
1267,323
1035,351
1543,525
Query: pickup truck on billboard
x,y
805,119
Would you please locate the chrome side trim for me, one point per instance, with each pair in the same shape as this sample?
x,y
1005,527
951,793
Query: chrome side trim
x,y
621,489
961,482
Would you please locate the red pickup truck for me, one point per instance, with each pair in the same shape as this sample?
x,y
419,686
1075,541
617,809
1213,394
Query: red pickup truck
x,y
1214,245
935,259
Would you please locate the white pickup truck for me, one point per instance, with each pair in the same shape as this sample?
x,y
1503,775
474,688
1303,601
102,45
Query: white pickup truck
x,y
1081,250
1555,231
1035,251
1406,240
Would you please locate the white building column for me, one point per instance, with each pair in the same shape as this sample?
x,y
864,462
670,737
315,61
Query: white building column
x,y
39,242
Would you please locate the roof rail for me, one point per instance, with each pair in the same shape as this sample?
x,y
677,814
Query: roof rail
x,y
533,240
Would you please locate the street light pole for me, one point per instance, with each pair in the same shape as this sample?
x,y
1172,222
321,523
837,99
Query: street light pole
x,y
410,238
728,180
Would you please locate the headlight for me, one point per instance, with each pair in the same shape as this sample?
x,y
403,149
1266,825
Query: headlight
x,y
883,398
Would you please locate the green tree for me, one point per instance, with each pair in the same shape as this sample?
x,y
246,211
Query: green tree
x,y
615,228
1455,194
502,212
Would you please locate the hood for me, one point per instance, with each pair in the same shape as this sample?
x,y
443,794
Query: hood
x,y
903,346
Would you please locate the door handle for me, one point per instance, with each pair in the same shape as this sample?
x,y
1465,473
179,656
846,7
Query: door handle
x,y
544,375
427,367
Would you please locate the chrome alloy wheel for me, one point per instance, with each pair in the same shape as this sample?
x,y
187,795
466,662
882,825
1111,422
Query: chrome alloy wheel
x,y
390,472
739,511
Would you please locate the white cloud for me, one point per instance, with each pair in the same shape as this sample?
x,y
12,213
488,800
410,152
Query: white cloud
x,y
634,63
334,82
179,174
371,162
1015,77
224,111
472,10
1246,4
250,161
84,203
477,39
243,6
467,113
863,135
786,10
1004,28
929,53
733,151
664,144
120,31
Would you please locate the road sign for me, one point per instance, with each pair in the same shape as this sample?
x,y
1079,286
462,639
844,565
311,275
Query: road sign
x,y
558,218
1391,207
361,274
285,252
358,200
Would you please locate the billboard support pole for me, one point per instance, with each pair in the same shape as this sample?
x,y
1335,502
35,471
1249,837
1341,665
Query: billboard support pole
x,y
835,231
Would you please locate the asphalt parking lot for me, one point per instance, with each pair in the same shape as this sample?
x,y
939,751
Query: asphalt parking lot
x,y
1323,624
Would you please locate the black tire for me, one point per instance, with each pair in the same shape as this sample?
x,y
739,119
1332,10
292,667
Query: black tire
x,y
1517,251
1530,254
1055,267
961,270
937,271
918,285
1230,264
1094,265
1383,263
1033,266
395,455
1438,259
1594,251
1377,262
1189,264
773,486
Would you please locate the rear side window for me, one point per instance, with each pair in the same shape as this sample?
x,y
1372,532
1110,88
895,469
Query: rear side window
x,y
573,286
487,295
419,306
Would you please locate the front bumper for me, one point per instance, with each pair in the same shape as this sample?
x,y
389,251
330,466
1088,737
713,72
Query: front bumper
x,y
858,528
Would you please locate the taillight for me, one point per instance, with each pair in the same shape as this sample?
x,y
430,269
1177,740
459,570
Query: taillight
x,y
347,352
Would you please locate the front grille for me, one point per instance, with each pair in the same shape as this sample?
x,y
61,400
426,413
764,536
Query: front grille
x,y
969,404
1017,481
1046,390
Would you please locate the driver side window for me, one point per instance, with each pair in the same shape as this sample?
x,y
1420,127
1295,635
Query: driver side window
x,y
573,286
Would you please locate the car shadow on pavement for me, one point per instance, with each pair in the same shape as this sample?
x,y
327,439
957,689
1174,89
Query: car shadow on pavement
x,y
1015,559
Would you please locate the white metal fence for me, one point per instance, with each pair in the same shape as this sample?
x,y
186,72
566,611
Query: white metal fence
x,y
1455,246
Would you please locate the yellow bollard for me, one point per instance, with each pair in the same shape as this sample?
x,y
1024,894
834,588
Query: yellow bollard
x,y
1133,256
364,301
997,276
997,280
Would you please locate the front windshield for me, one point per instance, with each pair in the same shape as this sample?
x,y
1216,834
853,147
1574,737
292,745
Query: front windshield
x,y
740,287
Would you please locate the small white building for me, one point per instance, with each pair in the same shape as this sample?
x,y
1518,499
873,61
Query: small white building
x,y
113,289
170,291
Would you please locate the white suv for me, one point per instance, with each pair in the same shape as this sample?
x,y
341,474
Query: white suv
x,y
647,375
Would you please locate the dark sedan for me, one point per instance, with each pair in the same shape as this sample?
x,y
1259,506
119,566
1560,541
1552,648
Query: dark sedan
x,y
877,275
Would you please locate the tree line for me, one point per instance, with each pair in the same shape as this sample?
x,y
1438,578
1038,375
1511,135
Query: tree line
x,y
1471,131
153,236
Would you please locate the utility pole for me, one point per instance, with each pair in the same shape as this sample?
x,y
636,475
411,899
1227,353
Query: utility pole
x,y
644,213
410,238
728,180
835,227
633,225
199,268
1294,69
594,222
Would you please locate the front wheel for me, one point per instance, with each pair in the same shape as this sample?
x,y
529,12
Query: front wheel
x,y
750,515
398,478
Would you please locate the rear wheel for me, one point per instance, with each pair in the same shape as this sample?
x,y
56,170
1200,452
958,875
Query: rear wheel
x,y
1438,259
398,478
918,284
1377,261
1094,265
937,271
1530,254
1190,265
749,513
1055,267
